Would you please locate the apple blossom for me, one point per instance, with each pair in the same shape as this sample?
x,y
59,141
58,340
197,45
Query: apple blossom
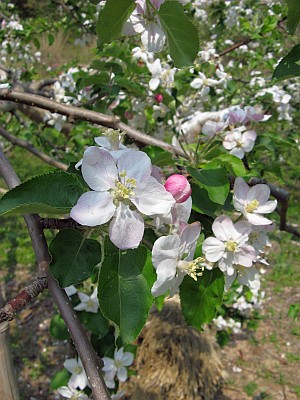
x,y
246,276
179,187
152,35
239,142
229,247
71,393
78,377
202,81
253,202
167,254
88,303
116,366
122,191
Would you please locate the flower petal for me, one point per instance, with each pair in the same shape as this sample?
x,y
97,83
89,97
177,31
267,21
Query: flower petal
x,y
223,228
260,192
136,164
151,198
126,228
122,374
93,208
153,37
99,169
213,249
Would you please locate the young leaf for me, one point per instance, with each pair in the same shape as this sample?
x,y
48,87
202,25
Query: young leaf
x,y
73,257
125,280
112,19
58,328
234,165
52,193
214,180
181,33
293,15
289,66
199,300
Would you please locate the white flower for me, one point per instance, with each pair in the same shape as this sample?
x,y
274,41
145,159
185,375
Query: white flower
x,y
258,237
70,290
229,248
253,202
78,377
88,303
116,366
161,75
117,186
167,254
197,83
246,276
71,393
239,143
152,36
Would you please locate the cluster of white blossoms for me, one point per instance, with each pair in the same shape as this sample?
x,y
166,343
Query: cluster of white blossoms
x,y
234,130
237,246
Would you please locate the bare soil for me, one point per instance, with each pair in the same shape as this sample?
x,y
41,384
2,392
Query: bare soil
x,y
259,364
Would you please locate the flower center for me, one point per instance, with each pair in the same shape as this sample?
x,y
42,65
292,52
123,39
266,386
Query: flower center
x,y
232,246
77,370
90,304
115,137
124,187
252,206
192,268
239,143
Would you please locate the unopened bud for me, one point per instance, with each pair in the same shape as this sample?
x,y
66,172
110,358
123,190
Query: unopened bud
x,y
158,98
179,187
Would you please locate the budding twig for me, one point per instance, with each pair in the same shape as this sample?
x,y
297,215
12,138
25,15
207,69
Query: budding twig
x,y
29,146
28,294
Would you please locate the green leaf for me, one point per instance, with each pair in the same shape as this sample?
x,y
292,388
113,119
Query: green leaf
x,y
200,300
159,157
234,165
181,33
131,87
125,281
73,257
112,19
58,328
61,378
289,66
202,203
50,39
214,180
293,15
96,323
53,193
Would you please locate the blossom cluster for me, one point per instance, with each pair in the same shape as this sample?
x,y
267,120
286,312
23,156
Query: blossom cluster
x,y
237,246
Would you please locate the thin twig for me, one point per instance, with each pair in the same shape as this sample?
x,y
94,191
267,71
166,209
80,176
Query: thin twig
x,y
91,362
29,146
82,114
56,223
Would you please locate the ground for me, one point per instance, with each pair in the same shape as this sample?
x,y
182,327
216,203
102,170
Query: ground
x,y
260,363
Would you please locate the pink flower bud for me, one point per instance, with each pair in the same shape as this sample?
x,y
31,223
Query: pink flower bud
x,y
128,115
158,98
179,187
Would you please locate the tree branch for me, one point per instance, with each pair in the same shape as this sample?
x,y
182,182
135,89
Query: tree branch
x,y
28,294
91,362
29,146
91,116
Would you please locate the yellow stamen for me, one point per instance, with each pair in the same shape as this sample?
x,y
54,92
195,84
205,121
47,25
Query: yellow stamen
x,y
124,190
231,246
252,206
191,267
